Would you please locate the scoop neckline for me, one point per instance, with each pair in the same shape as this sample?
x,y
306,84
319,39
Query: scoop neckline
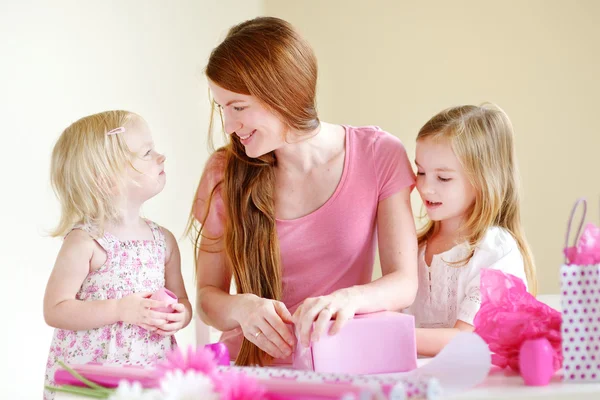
x,y
339,186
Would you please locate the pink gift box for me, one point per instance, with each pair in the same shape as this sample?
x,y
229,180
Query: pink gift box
x,y
375,343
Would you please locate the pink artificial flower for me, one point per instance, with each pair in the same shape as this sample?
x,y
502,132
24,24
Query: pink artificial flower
x,y
229,385
238,386
201,360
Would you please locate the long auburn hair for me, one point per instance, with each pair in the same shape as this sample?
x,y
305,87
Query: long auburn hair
x,y
265,58
483,140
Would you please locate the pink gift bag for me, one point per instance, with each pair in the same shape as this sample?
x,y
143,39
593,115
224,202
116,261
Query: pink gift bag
x,y
580,301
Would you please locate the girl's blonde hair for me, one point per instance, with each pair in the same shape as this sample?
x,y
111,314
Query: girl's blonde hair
x,y
482,139
88,170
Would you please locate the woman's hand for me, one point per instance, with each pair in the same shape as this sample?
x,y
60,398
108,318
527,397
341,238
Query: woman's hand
x,y
340,305
263,322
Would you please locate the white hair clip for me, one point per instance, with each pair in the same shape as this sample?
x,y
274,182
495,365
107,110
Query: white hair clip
x,y
116,130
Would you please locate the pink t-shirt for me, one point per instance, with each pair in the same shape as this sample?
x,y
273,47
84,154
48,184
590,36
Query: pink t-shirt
x,y
334,246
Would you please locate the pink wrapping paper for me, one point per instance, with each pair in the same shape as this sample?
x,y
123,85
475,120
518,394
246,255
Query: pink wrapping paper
x,y
509,315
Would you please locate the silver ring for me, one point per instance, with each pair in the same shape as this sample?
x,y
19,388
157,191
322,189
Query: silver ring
x,y
257,334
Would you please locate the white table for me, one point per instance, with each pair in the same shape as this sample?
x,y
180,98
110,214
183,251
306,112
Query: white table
x,y
503,384
500,385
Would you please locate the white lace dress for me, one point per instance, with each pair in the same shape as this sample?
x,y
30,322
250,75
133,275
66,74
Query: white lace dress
x,y
447,294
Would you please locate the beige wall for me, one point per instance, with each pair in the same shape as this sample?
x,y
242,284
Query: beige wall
x,y
393,64
397,63
62,60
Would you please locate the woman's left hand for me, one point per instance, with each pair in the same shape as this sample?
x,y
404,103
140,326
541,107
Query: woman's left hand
x,y
175,320
340,305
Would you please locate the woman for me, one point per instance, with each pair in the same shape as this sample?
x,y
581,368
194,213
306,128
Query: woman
x,y
292,206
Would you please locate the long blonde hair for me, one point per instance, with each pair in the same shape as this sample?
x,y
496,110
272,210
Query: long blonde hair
x,y
88,169
266,58
482,139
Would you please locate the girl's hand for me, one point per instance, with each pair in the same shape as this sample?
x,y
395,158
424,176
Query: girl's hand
x,y
263,322
175,321
136,309
320,310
